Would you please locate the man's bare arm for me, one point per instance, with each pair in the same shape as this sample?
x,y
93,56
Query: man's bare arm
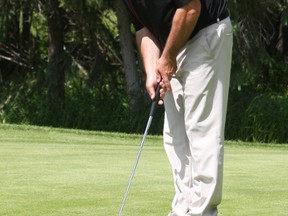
x,y
150,53
183,24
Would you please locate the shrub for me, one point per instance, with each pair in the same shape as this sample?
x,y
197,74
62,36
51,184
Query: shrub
x,y
238,102
266,119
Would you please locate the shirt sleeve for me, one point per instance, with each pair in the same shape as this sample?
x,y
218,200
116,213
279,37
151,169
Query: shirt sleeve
x,y
181,3
136,23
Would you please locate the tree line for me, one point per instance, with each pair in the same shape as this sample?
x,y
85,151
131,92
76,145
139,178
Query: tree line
x,y
75,64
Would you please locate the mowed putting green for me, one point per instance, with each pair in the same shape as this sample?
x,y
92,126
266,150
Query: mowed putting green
x,y
45,171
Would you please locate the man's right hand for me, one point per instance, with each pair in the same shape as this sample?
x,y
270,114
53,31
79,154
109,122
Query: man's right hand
x,y
151,85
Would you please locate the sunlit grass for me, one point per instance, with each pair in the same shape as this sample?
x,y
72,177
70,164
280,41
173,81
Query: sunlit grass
x,y
46,171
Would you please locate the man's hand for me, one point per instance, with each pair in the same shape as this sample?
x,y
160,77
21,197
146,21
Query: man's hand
x,y
183,24
151,85
160,67
166,67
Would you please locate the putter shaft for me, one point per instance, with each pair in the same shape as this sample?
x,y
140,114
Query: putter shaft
x,y
135,164
153,107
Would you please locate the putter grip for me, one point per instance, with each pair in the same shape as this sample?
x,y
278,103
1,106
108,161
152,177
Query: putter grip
x,y
155,101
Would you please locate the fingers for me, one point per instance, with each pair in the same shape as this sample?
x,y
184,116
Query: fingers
x,y
162,95
151,87
166,83
166,67
151,90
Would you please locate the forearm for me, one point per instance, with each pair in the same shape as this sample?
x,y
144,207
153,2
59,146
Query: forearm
x,y
183,24
150,53
149,50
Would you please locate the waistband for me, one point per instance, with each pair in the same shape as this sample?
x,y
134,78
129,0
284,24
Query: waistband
x,y
222,16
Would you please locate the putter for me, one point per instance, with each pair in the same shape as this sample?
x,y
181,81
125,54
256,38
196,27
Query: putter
x,y
153,107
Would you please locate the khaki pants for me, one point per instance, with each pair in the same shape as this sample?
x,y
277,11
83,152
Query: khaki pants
x,y
195,113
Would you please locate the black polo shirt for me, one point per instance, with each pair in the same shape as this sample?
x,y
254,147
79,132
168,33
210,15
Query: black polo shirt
x,y
157,15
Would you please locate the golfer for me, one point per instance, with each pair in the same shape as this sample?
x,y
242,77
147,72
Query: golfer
x,y
186,46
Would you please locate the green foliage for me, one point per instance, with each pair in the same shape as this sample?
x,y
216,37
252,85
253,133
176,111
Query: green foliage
x,y
260,65
239,100
283,8
260,53
95,94
266,119
86,106
257,117
95,109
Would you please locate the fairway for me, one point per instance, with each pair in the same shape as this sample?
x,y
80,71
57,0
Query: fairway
x,y
45,171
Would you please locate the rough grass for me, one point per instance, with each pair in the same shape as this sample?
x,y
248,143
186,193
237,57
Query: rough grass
x,y
46,171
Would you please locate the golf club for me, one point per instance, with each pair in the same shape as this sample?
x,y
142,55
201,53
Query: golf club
x,y
153,107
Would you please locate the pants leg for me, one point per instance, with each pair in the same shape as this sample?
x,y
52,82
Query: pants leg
x,y
194,120
177,148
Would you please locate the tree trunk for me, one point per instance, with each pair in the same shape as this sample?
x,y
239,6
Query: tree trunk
x,y
282,45
56,64
129,59
26,25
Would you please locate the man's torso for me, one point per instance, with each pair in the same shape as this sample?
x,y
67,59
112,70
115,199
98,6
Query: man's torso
x,y
157,15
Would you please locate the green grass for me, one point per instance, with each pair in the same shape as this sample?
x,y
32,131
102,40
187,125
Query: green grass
x,y
45,171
